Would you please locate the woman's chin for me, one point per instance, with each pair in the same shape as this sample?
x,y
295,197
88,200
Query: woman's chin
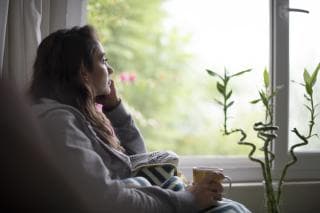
x,y
108,90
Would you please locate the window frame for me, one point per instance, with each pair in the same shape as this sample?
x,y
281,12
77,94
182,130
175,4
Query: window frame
x,y
306,167
241,169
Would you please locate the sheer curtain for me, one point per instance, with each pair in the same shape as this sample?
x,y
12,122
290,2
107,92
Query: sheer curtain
x,y
4,5
24,24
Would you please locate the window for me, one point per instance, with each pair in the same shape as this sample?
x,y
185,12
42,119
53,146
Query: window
x,y
162,73
306,167
160,51
304,53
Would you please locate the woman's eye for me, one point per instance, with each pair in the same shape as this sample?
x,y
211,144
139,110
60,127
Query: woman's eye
x,y
105,60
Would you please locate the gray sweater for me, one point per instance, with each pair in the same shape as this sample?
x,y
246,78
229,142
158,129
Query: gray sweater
x,y
94,170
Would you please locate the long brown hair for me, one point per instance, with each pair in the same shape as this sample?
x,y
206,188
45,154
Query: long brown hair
x,y
57,75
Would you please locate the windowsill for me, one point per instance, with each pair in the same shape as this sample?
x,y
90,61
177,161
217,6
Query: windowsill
x,y
259,184
241,169
224,162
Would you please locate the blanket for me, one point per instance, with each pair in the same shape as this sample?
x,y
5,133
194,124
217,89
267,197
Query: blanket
x,y
160,168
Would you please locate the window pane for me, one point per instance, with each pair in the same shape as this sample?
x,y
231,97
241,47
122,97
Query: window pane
x,y
160,51
304,53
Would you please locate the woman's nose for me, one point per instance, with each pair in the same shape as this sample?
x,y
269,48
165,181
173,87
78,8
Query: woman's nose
x,y
110,69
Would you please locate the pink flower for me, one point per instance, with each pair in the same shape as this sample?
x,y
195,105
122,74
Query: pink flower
x,y
132,77
128,77
124,77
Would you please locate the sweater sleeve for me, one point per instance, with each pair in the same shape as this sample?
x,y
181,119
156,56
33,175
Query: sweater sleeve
x,y
85,172
126,130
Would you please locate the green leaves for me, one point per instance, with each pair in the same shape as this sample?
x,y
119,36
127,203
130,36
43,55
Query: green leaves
x,y
221,88
267,94
218,102
310,80
306,77
266,78
230,104
214,74
240,73
255,101
229,95
222,84
313,77
264,98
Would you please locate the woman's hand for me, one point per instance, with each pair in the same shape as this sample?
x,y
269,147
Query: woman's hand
x,y
207,192
111,100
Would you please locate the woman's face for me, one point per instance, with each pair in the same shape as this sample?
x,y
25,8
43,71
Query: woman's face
x,y
98,77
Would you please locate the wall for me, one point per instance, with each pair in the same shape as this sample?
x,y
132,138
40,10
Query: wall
x,y
298,197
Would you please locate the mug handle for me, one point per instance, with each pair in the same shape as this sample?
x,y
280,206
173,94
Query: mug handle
x,y
230,183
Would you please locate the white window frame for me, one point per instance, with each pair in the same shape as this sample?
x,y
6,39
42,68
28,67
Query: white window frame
x,y
306,168
241,169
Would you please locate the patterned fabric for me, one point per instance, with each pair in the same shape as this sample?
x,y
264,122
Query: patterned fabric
x,y
159,168
174,183
136,182
158,157
156,174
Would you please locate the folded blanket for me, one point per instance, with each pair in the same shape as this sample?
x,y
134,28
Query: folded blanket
x,y
157,157
157,167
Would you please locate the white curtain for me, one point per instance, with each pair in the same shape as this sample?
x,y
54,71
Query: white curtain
x,y
4,6
24,23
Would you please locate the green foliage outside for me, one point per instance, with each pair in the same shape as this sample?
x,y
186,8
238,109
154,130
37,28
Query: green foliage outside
x,y
153,76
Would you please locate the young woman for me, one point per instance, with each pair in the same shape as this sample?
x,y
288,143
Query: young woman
x,y
92,148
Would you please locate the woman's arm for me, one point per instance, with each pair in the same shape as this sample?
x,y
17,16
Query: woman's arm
x,y
126,130
85,172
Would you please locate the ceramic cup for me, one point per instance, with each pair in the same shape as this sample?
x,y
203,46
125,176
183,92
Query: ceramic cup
x,y
200,172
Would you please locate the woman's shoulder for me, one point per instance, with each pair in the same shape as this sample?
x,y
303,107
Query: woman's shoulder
x,y
52,109
59,119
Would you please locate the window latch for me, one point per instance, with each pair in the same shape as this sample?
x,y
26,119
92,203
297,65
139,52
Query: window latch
x,y
298,10
284,11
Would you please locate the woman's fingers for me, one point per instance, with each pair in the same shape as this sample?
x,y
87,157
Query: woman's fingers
x,y
110,100
208,190
113,92
217,196
212,183
216,187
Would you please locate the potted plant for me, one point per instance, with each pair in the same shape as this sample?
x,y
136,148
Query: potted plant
x,y
266,130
